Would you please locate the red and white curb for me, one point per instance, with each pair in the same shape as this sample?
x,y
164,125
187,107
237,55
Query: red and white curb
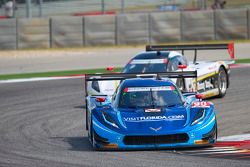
x,y
231,147
80,76
239,65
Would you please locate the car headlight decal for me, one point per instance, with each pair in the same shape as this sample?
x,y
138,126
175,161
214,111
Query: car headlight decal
x,y
200,115
109,120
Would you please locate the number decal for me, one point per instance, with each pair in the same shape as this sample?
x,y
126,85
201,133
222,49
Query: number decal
x,y
202,104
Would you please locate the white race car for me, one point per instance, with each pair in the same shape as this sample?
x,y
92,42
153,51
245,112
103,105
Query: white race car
x,y
213,76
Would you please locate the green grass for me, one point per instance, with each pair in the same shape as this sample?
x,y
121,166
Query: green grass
x,y
243,61
74,72
55,73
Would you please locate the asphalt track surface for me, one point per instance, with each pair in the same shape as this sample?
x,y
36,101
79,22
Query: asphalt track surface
x,y
30,61
41,124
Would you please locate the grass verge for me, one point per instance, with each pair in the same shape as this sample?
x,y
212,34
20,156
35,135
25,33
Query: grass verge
x,y
242,61
55,73
74,72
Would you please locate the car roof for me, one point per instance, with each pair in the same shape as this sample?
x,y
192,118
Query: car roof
x,y
143,82
157,55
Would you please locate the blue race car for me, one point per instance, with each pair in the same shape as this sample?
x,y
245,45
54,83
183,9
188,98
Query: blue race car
x,y
148,113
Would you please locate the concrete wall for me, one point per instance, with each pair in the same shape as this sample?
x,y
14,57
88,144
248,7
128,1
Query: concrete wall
x,y
66,31
100,30
231,24
137,28
8,34
165,27
33,33
132,29
197,25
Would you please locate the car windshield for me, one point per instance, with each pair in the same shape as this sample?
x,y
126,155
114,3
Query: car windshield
x,y
146,65
150,97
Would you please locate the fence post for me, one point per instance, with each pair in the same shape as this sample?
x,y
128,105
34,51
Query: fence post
x,y
28,9
149,28
116,30
215,25
17,34
181,27
40,3
50,33
83,31
122,6
248,24
103,6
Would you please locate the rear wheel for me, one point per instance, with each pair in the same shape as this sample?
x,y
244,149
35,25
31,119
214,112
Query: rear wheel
x,y
222,82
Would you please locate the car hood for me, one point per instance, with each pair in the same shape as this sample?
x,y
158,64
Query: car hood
x,y
140,122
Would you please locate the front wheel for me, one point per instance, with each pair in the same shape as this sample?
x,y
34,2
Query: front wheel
x,y
91,133
222,82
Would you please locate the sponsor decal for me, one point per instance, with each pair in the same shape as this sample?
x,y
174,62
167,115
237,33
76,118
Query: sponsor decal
x,y
201,104
212,67
147,89
155,118
149,61
153,110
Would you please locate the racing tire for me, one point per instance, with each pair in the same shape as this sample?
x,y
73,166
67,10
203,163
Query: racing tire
x,y
86,115
92,135
222,82
216,133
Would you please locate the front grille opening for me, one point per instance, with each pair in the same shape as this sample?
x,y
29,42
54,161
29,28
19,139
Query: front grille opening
x,y
157,139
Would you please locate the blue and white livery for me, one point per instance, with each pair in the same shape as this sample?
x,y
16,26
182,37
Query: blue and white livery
x,y
149,113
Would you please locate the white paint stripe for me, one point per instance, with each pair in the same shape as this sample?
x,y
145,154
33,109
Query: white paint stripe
x,y
235,138
208,151
38,79
218,152
242,65
215,148
72,77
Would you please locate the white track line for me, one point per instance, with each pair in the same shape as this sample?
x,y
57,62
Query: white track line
x,y
218,152
235,138
38,79
215,150
81,76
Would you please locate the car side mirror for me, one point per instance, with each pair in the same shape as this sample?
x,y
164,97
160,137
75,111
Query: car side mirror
x,y
110,68
199,96
182,66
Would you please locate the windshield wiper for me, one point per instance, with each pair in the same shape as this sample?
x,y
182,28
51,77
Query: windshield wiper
x,y
173,105
131,107
152,98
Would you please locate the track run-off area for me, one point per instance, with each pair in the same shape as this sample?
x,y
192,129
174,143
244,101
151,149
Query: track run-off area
x,y
42,124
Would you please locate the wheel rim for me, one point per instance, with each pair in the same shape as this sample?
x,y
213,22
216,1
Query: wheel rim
x,y
222,81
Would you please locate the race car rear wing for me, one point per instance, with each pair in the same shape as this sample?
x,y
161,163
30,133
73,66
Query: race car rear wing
x,y
229,47
122,76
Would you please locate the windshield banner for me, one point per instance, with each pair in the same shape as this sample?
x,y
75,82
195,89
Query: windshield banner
x,y
149,61
147,89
